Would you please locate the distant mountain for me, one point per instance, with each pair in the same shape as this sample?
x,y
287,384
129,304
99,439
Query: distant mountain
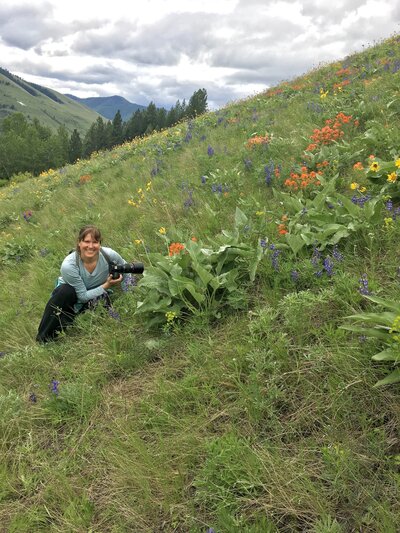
x,y
107,106
51,108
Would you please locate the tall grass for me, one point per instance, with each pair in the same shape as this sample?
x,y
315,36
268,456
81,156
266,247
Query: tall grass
x,y
261,417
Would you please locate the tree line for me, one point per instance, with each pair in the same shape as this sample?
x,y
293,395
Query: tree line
x,y
31,147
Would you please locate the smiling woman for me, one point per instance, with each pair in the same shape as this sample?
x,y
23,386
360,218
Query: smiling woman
x,y
85,279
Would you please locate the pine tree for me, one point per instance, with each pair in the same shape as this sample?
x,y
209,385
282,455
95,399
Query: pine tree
x,y
197,104
116,130
74,147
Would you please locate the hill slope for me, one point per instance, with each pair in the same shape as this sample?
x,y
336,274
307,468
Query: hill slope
x,y
107,106
247,407
51,108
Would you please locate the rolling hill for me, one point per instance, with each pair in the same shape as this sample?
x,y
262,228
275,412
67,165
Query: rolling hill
x,y
107,106
51,108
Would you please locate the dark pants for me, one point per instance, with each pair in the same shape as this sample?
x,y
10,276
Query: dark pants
x,y
58,313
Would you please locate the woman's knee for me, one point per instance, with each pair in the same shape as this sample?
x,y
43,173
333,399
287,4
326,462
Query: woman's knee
x,y
64,294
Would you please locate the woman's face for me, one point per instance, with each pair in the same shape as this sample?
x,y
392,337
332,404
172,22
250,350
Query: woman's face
x,y
89,248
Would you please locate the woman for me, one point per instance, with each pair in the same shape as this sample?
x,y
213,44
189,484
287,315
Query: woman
x,y
84,279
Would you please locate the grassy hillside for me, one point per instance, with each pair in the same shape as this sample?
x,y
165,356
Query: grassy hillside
x,y
51,108
228,391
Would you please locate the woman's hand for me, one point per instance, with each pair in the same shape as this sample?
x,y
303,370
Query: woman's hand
x,y
110,282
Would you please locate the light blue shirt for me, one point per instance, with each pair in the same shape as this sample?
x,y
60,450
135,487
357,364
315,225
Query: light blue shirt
x,y
87,285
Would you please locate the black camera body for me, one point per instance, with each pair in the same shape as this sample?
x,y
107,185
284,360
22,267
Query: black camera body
x,y
116,269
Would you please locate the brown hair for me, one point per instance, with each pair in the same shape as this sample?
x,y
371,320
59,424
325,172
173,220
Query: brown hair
x,y
91,230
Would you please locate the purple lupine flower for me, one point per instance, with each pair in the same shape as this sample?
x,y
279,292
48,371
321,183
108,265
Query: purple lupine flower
x,y
129,282
54,387
389,205
363,288
336,254
248,164
328,266
189,200
113,314
32,397
263,244
269,169
316,257
274,257
360,200
294,275
396,67
210,150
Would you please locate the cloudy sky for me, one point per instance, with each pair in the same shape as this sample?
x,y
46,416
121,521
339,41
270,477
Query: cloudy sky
x,y
164,50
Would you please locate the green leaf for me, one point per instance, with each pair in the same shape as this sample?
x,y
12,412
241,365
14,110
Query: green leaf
x,y
369,332
296,242
203,274
152,305
394,377
240,218
394,306
387,355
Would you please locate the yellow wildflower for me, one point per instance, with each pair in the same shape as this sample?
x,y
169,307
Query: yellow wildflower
x,y
392,177
162,230
138,241
388,222
170,316
362,189
395,328
354,186
374,166
397,162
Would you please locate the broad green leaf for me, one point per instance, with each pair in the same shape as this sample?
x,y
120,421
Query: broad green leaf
x,y
149,305
296,242
203,274
394,377
387,355
240,218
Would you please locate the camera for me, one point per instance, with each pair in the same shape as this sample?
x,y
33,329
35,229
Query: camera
x,y
128,268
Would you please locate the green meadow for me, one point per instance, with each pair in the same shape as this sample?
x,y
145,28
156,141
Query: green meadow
x,y
249,380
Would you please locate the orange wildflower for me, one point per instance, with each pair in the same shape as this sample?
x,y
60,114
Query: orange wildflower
x,y
175,248
257,139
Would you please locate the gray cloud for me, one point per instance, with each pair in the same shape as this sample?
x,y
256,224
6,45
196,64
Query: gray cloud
x,y
160,43
30,26
26,26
